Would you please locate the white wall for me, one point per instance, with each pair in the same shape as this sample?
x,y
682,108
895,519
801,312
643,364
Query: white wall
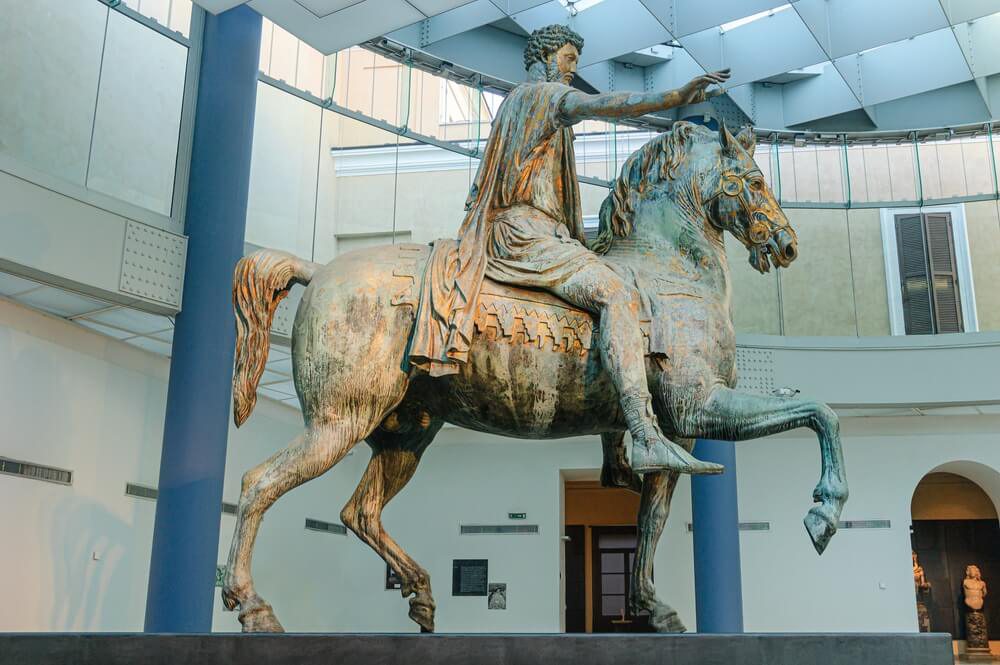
x,y
77,400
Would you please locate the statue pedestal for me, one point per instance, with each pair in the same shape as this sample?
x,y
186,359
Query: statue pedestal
x,y
977,645
458,649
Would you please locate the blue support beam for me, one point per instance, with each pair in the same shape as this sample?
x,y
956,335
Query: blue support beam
x,y
715,517
186,532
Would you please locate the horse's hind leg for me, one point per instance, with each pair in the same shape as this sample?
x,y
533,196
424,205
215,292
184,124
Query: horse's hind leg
x,y
394,460
308,456
654,507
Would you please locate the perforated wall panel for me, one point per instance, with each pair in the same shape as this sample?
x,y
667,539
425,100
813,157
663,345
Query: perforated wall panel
x,y
284,316
153,263
755,370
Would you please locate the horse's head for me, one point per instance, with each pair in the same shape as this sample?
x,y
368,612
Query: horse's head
x,y
711,177
738,200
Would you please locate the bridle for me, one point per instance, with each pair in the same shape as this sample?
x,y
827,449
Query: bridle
x,y
732,185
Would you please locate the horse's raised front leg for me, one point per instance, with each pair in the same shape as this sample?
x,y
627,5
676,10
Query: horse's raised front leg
x,y
308,456
394,460
734,416
654,507
616,471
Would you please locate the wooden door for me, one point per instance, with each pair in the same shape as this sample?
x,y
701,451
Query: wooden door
x,y
613,556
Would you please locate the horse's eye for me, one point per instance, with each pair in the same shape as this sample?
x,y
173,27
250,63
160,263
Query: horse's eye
x,y
756,185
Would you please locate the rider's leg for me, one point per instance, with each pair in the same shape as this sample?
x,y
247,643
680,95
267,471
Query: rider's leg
x,y
598,289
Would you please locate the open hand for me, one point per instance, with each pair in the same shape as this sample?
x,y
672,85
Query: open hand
x,y
694,92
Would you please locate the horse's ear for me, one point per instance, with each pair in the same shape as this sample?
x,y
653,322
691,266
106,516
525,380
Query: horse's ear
x,y
747,139
726,139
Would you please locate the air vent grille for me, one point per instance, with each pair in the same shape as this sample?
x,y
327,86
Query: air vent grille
x,y
141,491
326,527
744,526
498,529
755,526
151,493
35,471
865,524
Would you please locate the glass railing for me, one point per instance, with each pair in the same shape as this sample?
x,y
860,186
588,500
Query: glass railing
x,y
71,109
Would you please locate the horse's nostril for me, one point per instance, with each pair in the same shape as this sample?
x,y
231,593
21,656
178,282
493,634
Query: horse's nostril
x,y
790,253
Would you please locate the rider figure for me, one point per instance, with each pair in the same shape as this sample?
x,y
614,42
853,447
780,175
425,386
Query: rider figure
x,y
524,227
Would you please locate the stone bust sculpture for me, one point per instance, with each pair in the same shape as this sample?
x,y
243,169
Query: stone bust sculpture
x,y
974,588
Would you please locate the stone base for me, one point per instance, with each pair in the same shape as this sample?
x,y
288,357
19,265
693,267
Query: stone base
x,y
442,649
976,640
976,655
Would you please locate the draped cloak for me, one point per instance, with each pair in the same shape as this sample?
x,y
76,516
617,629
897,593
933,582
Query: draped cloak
x,y
528,161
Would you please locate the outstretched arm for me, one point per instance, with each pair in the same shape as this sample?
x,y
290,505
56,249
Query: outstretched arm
x,y
577,106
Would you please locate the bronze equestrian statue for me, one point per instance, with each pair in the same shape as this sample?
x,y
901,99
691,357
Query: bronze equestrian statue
x,y
517,328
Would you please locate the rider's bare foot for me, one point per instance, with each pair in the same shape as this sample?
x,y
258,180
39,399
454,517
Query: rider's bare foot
x,y
661,454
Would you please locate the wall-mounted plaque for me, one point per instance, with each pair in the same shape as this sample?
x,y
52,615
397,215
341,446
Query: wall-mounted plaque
x,y
468,577
392,579
498,596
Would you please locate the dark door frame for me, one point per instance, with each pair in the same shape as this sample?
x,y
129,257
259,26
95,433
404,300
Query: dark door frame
x,y
630,623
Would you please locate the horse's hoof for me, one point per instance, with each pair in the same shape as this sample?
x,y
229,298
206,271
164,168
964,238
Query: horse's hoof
x,y
422,612
259,618
820,528
229,599
669,623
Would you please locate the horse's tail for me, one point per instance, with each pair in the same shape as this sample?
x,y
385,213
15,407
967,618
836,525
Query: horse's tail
x,y
260,281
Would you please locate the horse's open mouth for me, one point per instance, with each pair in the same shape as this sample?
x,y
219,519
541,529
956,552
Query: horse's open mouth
x,y
779,250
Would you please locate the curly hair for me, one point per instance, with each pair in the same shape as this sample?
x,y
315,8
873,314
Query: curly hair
x,y
547,40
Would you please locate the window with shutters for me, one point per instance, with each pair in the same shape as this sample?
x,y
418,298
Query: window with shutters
x,y
928,271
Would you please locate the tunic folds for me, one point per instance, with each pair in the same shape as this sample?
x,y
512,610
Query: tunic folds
x,y
523,225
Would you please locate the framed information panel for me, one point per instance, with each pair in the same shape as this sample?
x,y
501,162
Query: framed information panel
x,y
468,577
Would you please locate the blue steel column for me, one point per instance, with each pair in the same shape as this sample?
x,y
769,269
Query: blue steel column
x,y
186,534
717,585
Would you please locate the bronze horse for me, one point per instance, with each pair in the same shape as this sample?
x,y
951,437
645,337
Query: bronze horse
x,y
531,372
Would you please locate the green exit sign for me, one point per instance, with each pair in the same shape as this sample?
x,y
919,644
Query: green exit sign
x,y
517,516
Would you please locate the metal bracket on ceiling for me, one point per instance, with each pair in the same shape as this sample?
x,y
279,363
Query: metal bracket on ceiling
x,y
425,32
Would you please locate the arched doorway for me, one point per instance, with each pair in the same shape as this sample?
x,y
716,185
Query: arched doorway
x,y
954,525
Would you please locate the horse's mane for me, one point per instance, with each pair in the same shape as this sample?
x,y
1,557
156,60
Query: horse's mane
x,y
655,161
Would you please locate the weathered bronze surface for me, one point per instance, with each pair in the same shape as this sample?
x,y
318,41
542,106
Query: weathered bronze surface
x,y
521,361
524,227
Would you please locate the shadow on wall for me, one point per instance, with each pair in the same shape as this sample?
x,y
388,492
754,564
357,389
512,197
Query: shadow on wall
x,y
90,560
67,410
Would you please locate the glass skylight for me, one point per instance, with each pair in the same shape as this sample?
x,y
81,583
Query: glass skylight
x,y
725,27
